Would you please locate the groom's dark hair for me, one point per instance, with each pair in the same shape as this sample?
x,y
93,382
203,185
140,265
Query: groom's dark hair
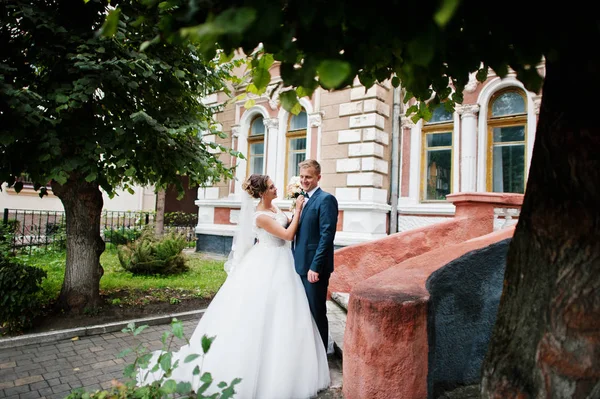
x,y
310,163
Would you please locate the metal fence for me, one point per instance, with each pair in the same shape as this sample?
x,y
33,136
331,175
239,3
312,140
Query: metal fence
x,y
29,229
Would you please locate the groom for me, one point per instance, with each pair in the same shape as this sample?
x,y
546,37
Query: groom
x,y
313,250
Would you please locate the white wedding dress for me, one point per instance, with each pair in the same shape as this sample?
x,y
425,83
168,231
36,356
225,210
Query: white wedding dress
x,y
265,333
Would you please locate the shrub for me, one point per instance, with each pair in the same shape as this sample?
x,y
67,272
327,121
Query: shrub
x,y
151,255
20,289
180,219
164,387
122,235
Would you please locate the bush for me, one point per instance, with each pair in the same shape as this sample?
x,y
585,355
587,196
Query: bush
x,y
20,289
122,235
151,255
164,387
181,219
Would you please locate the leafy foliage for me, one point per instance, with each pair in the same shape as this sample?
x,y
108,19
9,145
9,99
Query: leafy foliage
x,y
76,104
151,255
431,48
19,293
164,387
181,219
122,235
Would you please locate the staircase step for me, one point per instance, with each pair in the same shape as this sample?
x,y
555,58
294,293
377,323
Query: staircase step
x,y
337,324
341,298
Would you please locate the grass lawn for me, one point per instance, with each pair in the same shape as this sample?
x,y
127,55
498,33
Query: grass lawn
x,y
203,280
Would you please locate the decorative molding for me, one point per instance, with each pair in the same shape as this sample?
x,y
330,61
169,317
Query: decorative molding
x,y
274,99
315,119
235,131
407,122
271,123
471,86
467,110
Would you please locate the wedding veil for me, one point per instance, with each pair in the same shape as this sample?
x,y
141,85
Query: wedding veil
x,y
244,236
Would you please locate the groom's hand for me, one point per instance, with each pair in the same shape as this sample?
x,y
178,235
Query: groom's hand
x,y
313,277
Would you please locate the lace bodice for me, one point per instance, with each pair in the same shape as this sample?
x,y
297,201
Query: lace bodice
x,y
266,238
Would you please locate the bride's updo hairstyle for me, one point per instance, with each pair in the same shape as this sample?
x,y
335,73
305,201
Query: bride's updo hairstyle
x,y
255,185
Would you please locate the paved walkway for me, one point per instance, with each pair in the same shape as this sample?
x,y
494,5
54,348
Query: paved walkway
x,y
51,368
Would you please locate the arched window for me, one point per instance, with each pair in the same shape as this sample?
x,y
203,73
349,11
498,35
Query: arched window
x,y
507,131
436,156
295,144
256,146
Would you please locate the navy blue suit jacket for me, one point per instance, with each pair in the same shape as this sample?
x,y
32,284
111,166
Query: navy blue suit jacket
x,y
313,249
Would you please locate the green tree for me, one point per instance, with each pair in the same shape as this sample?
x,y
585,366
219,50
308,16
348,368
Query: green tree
x,y
545,342
86,111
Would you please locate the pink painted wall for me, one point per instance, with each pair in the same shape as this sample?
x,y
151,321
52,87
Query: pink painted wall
x,y
385,342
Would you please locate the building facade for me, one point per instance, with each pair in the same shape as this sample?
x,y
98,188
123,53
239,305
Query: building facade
x,y
388,173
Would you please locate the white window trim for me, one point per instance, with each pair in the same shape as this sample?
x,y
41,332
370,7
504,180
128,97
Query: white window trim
x,y
278,175
414,189
242,144
482,140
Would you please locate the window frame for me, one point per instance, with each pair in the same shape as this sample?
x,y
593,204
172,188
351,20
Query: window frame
x,y
290,135
435,128
254,139
505,121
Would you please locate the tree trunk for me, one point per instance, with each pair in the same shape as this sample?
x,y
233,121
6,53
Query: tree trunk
x,y
83,207
546,341
159,225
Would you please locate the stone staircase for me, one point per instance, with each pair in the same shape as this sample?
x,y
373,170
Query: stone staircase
x,y
337,309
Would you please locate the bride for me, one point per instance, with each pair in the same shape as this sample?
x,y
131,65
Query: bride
x,y
260,318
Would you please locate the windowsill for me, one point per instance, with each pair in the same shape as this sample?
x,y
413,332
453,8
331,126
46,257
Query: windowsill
x,y
427,208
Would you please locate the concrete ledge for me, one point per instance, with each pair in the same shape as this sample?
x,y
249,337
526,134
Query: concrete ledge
x,y
51,336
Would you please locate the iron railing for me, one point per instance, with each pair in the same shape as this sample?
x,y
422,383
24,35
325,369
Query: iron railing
x,y
29,229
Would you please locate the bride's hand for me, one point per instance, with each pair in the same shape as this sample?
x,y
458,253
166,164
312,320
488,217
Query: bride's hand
x,y
299,203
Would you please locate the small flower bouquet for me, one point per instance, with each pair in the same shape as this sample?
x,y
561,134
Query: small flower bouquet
x,y
294,190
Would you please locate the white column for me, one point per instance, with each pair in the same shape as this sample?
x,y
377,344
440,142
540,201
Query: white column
x,y
271,138
314,120
468,150
414,184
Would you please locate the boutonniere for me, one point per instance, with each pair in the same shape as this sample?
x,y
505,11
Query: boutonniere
x,y
294,190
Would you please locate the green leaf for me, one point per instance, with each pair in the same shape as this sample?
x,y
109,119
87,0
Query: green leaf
x,y
191,357
109,28
177,328
206,378
179,73
170,386
196,370
249,103
206,343
138,330
91,177
165,361
164,337
129,371
61,98
184,387
332,73
482,75
130,171
304,92
395,81
222,384
289,101
124,352
18,187
261,78
446,11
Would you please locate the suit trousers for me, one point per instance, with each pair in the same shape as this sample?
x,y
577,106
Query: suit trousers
x,y
317,300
